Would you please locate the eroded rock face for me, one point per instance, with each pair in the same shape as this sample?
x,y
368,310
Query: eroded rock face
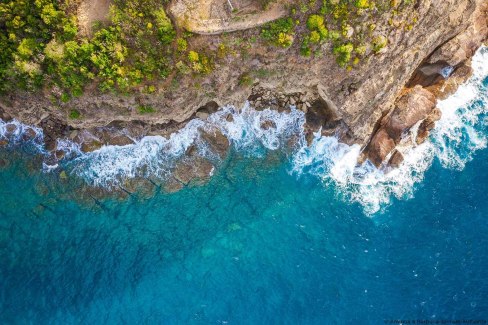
x,y
427,125
416,105
380,146
412,107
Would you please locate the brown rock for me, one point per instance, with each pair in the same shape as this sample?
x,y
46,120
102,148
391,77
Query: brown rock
x,y
217,141
379,147
268,124
447,87
29,134
412,107
120,140
192,169
202,115
172,185
427,125
60,154
90,145
10,129
396,159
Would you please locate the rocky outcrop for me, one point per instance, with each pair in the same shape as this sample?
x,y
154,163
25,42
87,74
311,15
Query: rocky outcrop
x,y
410,109
438,76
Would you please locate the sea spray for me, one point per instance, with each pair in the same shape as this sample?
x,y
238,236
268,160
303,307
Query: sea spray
x,y
461,131
16,133
156,156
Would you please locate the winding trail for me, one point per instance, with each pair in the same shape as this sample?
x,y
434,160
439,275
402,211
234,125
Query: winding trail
x,y
219,16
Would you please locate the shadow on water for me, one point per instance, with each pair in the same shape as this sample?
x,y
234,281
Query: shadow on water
x,y
60,245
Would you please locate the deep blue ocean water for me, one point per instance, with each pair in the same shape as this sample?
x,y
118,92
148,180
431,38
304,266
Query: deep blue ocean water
x,y
261,242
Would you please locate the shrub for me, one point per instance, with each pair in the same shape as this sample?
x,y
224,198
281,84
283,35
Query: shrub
x,y
279,32
145,109
314,22
193,56
182,45
379,43
343,53
362,4
74,114
314,36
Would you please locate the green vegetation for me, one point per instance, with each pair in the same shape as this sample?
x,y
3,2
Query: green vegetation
x,y
280,32
41,46
145,109
355,28
246,80
74,114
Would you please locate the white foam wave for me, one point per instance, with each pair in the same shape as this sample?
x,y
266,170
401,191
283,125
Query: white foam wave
x,y
16,133
457,135
460,132
155,156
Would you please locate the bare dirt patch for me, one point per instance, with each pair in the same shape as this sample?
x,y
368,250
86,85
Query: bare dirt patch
x,y
90,12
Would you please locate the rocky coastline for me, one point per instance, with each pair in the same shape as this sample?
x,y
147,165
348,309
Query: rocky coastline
x,y
373,105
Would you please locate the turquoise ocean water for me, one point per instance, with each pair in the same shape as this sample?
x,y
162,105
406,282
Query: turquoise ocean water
x,y
286,234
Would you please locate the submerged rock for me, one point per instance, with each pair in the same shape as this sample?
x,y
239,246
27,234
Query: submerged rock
x,y
192,169
217,142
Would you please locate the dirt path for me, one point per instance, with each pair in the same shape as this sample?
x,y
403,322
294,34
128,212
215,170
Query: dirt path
x,y
91,11
218,16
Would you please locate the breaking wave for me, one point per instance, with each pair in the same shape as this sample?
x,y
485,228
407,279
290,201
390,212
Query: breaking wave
x,y
460,132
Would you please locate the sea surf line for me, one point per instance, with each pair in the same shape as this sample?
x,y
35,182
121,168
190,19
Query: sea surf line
x,y
456,137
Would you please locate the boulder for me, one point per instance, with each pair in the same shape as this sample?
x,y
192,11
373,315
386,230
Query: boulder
x,y
416,105
10,129
379,147
396,159
194,168
119,140
427,125
29,134
268,124
412,107
91,145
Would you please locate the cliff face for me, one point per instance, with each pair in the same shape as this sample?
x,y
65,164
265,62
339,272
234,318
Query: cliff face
x,y
381,98
450,33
